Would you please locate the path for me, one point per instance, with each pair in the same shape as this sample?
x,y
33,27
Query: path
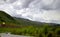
x,y
11,35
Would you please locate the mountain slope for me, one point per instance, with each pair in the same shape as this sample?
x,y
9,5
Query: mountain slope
x,y
4,17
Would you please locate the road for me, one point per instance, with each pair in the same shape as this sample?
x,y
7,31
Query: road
x,y
11,35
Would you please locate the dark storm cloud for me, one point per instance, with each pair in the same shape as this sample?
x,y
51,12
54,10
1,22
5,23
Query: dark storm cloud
x,y
53,6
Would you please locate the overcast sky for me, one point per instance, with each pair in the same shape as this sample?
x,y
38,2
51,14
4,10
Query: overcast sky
x,y
35,10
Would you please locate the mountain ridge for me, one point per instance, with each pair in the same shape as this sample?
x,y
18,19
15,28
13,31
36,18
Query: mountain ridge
x,y
4,17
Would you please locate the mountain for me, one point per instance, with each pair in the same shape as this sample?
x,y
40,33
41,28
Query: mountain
x,y
14,21
27,22
4,17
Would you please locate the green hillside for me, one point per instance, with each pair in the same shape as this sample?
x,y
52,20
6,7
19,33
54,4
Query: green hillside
x,y
4,17
9,20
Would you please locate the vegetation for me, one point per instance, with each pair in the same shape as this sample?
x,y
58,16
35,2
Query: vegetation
x,y
21,26
42,31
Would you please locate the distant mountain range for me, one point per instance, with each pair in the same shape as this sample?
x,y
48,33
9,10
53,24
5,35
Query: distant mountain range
x,y
4,17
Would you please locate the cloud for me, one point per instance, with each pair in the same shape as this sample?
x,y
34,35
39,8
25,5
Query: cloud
x,y
8,9
35,10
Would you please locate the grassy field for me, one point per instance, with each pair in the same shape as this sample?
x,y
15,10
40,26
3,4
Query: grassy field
x,y
42,31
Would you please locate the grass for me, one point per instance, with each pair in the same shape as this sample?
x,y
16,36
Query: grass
x,y
44,31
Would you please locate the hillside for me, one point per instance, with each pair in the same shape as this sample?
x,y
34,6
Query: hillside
x,y
4,17
9,20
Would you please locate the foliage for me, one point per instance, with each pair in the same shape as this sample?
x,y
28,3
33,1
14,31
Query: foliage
x,y
32,31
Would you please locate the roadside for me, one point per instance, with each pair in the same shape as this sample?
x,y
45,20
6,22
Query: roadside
x,y
11,35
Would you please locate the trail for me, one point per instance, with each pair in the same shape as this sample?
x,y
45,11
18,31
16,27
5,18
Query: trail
x,y
11,35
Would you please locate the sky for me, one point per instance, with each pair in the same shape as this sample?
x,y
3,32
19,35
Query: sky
x,y
36,10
